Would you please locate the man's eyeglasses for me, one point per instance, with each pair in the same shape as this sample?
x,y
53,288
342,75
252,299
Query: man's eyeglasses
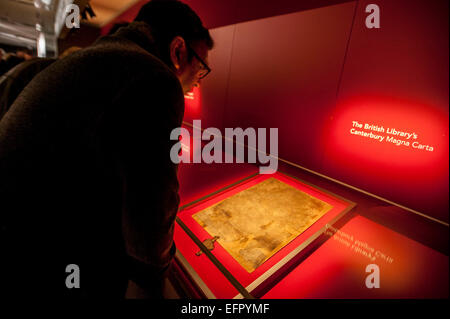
x,y
205,68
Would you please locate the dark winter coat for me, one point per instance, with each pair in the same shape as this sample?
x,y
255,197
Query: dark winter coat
x,y
85,171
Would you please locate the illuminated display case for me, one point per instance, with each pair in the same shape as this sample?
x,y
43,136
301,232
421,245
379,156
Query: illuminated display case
x,y
333,258
229,274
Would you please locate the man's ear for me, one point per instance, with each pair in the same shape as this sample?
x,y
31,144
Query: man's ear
x,y
178,52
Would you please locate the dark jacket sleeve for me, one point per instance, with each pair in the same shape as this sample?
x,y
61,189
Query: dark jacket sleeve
x,y
147,111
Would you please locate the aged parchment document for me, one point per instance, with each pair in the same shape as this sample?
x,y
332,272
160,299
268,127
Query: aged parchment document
x,y
255,223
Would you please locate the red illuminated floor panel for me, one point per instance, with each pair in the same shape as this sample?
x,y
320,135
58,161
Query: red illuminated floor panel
x,y
337,269
207,269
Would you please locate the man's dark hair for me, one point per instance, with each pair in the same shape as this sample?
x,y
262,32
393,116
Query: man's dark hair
x,y
171,18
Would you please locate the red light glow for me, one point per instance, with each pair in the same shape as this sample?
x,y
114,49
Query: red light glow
x,y
389,134
403,173
192,102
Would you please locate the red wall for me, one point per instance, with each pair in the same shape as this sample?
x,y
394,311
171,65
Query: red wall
x,y
397,77
313,72
217,13
221,13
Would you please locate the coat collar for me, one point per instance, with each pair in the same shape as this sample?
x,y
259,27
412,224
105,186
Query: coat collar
x,y
137,32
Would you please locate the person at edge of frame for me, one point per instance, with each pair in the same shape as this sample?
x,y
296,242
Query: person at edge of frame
x,y
85,172
16,79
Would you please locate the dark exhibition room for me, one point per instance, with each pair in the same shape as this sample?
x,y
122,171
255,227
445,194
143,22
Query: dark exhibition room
x,y
254,152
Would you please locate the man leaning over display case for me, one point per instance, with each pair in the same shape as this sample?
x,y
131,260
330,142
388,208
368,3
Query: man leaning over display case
x,y
88,193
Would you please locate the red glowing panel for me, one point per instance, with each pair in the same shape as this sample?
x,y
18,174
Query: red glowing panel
x,y
192,102
389,132
407,269
218,283
395,148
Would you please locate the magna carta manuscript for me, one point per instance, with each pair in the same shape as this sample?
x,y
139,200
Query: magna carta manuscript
x,y
255,223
